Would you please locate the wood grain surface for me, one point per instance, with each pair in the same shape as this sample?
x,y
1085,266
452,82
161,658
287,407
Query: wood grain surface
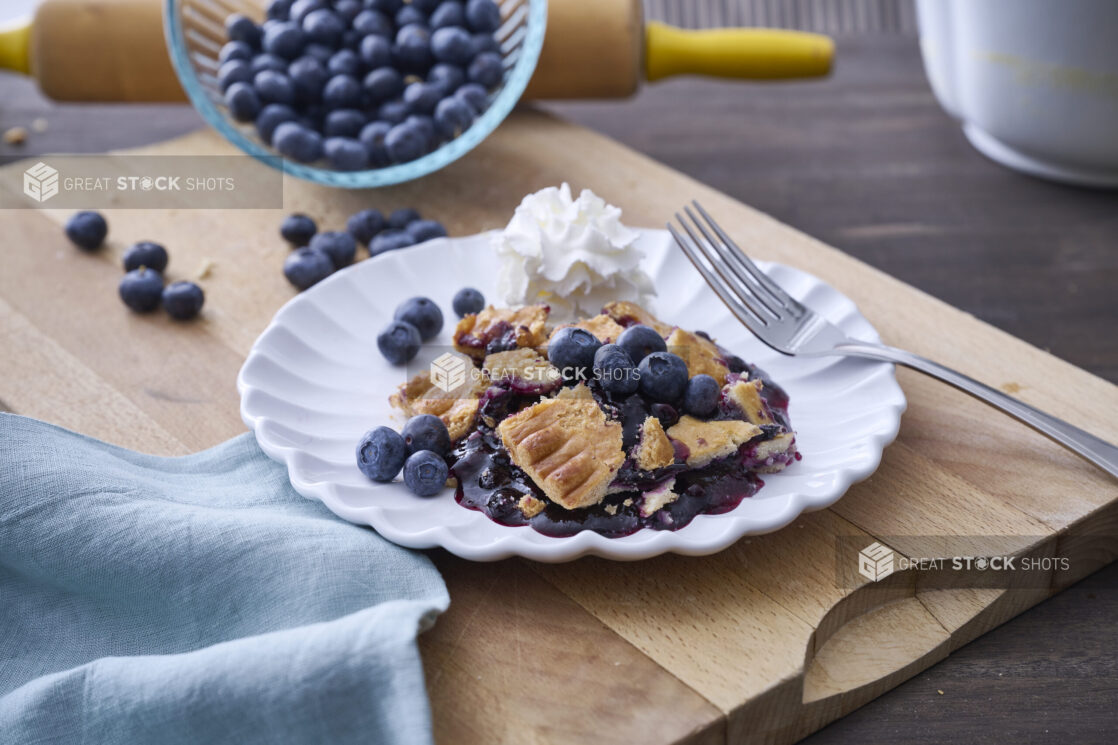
x,y
826,157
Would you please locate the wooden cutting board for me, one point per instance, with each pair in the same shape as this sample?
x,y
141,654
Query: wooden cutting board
x,y
760,643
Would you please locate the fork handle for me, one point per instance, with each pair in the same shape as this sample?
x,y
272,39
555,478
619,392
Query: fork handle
x,y
1094,449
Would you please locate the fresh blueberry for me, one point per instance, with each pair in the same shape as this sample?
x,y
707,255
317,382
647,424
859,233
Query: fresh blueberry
x,y
376,51
300,9
297,142
270,117
364,225
342,92
307,266
453,116
383,84
274,87
394,111
234,71
425,473
183,300
145,253
348,10
425,230
235,50
447,77
422,97
405,142
351,39
475,96
390,240
308,75
571,350
243,102
87,230
424,123
483,16
426,432
372,137
141,289
388,7
284,39
640,341
320,52
381,454
343,123
449,13
241,28
346,153
399,342
700,398
401,218
663,377
340,247
344,62
614,370
298,229
409,15
486,69
413,48
467,301
263,62
324,26
278,10
425,6
372,22
452,45
485,42
422,313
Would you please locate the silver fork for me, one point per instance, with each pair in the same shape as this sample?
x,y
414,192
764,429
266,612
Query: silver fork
x,y
786,325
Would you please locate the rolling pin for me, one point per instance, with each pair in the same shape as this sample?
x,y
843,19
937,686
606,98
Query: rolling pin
x,y
114,50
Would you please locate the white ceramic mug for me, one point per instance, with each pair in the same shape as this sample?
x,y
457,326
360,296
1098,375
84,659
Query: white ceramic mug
x,y
1034,82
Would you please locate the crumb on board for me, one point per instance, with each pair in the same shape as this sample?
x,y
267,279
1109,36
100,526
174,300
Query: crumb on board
x,y
205,268
939,691
15,136
1011,387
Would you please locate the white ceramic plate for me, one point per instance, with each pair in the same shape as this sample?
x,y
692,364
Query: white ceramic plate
x,y
315,382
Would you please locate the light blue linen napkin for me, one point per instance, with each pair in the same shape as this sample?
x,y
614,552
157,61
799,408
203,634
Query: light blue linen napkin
x,y
197,600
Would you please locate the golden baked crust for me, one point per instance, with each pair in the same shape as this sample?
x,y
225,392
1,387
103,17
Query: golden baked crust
x,y
457,408
701,355
474,332
659,498
531,506
654,449
708,441
525,365
783,443
579,392
604,328
568,447
626,314
747,395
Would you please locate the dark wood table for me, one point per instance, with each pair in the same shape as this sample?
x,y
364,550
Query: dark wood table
x,y
867,162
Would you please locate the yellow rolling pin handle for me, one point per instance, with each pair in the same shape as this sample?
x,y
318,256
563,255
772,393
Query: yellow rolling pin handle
x,y
15,46
743,53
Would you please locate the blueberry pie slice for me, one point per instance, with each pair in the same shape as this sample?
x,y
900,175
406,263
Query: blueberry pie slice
x,y
553,449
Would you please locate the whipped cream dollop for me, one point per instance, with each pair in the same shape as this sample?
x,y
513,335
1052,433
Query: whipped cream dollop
x,y
573,254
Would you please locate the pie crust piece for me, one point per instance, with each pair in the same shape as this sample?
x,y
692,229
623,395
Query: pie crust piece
x,y
709,441
567,446
654,449
701,355
605,329
523,368
746,394
457,408
528,324
627,314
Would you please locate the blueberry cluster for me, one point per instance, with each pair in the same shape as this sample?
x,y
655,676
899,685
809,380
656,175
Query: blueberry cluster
x,y
318,255
638,363
420,450
361,83
142,288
